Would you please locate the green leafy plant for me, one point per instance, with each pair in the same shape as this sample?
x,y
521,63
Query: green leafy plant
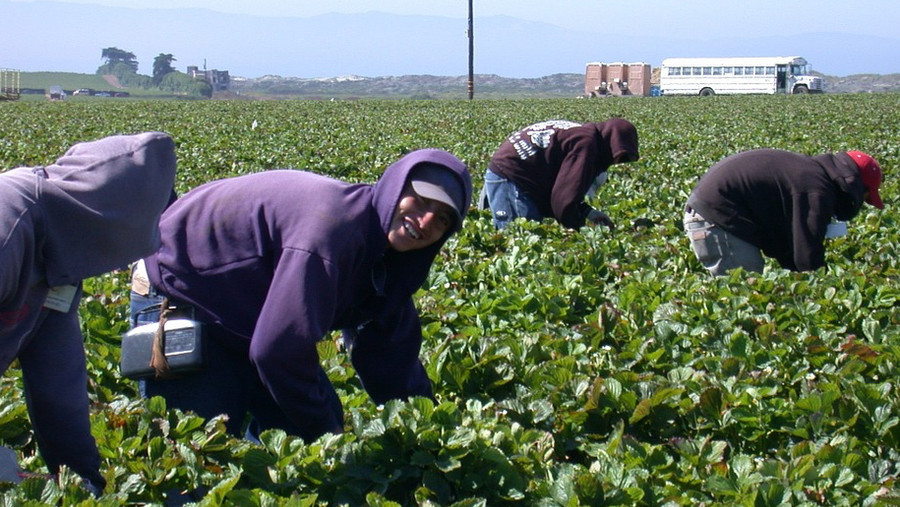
x,y
589,367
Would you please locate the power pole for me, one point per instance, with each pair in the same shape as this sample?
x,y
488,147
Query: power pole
x,y
471,55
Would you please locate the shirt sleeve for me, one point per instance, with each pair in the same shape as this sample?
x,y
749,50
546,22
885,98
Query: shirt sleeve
x,y
298,312
576,172
55,378
811,219
385,354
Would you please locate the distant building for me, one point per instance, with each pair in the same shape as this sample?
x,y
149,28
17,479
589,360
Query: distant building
x,y
218,79
614,79
9,84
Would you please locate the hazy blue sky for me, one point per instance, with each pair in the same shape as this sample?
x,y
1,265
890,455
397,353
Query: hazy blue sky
x,y
513,38
665,18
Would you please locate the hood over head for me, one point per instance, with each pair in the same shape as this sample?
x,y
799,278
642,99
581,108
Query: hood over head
x,y
389,187
101,203
410,268
621,138
842,170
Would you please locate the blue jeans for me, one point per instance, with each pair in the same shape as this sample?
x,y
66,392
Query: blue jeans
x,y
228,384
720,251
507,201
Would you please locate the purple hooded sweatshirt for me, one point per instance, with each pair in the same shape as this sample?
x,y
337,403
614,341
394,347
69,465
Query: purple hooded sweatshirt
x,y
555,162
281,258
95,209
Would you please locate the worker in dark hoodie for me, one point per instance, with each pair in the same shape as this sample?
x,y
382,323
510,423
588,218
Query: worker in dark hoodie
x,y
94,210
776,203
272,262
547,169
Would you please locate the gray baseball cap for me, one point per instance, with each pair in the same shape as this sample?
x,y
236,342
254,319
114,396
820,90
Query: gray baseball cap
x,y
438,183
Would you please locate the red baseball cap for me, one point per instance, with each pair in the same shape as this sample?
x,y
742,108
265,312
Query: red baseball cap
x,y
871,176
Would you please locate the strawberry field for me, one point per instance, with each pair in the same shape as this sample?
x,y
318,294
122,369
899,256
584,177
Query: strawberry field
x,y
589,367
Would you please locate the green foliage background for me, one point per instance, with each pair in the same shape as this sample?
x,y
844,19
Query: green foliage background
x,y
589,367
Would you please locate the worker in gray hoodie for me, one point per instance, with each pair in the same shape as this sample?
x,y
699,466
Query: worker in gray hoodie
x,y
96,209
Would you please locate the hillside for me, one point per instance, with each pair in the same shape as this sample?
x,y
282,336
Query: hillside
x,y
414,86
871,83
486,86
38,83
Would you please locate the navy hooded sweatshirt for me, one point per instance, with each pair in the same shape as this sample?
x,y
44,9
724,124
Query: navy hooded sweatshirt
x,y
555,162
281,258
780,201
94,210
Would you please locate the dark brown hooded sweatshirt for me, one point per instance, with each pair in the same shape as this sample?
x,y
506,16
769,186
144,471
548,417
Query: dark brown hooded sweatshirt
x,y
555,162
780,201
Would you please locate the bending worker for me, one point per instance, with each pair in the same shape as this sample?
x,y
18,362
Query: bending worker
x,y
776,203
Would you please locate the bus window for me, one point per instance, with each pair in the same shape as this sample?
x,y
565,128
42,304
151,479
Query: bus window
x,y
727,70
738,71
695,71
674,71
770,71
717,71
707,71
748,71
760,71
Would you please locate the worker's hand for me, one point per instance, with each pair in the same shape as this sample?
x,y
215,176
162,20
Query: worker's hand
x,y
597,217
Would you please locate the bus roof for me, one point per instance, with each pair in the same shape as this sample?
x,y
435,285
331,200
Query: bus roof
x,y
734,61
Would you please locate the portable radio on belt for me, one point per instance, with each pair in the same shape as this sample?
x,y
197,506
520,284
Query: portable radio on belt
x,y
182,346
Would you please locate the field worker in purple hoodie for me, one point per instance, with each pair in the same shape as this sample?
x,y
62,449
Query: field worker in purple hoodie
x,y
547,169
94,210
776,203
273,262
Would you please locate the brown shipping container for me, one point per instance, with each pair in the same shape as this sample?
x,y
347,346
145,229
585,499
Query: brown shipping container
x,y
595,79
639,79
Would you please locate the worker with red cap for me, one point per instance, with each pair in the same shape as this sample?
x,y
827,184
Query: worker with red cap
x,y
776,203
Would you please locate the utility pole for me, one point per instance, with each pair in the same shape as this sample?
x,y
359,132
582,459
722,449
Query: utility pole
x,y
471,55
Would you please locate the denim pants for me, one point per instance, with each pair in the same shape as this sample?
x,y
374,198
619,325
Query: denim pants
x,y
228,384
507,201
718,250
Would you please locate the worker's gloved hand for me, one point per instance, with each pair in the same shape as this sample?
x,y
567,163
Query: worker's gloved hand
x,y
597,217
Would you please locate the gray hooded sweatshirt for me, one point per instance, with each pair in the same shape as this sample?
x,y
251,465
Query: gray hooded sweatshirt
x,y
97,208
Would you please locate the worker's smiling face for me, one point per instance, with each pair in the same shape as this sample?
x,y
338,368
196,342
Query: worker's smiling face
x,y
418,222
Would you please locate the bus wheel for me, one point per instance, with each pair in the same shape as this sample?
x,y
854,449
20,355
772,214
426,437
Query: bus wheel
x,y
707,92
801,89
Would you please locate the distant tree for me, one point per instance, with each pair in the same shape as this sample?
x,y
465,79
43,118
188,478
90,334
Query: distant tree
x,y
162,65
180,83
202,89
115,56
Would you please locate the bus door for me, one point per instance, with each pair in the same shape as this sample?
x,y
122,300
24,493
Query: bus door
x,y
781,79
